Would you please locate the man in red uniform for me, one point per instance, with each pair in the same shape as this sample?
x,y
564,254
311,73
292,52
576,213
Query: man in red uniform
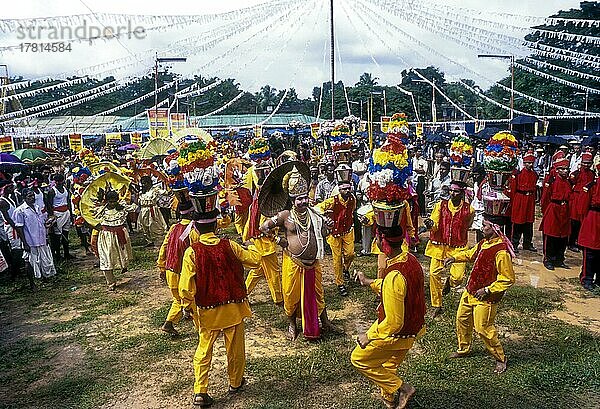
x,y
589,236
522,200
556,226
580,178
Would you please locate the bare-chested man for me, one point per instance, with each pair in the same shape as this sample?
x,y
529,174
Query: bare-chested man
x,y
302,278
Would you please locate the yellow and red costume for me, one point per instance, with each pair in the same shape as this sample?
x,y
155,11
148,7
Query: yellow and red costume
x,y
341,238
448,236
180,236
401,320
212,278
269,263
492,270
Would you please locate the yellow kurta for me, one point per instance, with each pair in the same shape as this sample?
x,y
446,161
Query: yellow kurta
x,y
175,312
269,263
342,247
438,252
473,313
380,359
228,318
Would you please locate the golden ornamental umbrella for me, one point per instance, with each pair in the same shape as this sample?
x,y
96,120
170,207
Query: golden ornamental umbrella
x,y
156,147
90,202
272,198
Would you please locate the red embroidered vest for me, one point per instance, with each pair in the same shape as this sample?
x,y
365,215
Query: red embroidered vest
x,y
245,200
343,218
176,248
414,300
254,218
484,270
452,229
219,275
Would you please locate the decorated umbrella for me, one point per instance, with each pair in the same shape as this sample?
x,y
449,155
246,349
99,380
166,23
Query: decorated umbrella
x,y
156,147
129,147
93,195
550,139
10,163
201,134
272,198
31,156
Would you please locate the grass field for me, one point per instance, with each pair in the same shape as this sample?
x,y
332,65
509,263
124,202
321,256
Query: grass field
x,y
72,344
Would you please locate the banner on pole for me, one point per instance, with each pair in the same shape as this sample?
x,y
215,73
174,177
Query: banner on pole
x,y
479,126
75,142
314,130
136,138
113,137
6,143
257,131
158,122
385,123
545,123
419,130
363,126
178,122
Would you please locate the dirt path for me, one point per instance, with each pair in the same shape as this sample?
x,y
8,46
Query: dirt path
x,y
263,339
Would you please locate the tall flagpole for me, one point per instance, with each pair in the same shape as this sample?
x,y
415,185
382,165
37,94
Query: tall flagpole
x,y
332,61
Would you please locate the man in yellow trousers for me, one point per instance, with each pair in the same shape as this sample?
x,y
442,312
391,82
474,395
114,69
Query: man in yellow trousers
x,y
449,227
269,263
340,209
492,275
401,319
212,278
178,239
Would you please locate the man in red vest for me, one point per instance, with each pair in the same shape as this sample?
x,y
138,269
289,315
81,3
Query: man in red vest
x,y
401,319
212,278
491,276
449,226
340,209
555,224
170,256
580,178
522,190
589,236
269,263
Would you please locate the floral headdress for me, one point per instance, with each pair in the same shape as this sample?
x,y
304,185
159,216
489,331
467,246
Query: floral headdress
x,y
390,168
461,152
88,157
340,137
398,127
259,150
501,153
196,165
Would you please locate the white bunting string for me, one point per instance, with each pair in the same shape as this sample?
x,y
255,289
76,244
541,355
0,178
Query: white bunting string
x,y
389,23
561,35
38,91
557,79
544,64
560,53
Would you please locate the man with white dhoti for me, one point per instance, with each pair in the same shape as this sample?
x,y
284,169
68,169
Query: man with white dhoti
x,y
30,224
58,201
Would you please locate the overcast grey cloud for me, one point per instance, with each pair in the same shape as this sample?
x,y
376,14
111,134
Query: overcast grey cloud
x,y
292,52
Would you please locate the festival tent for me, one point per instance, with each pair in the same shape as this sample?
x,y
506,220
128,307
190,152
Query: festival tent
x,y
524,120
551,139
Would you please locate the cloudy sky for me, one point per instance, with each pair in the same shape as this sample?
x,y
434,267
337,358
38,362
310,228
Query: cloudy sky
x,y
285,45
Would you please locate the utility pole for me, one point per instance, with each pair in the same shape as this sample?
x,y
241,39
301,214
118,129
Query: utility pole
x,y
332,60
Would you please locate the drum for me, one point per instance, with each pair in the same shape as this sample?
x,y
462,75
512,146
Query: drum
x,y
460,174
495,206
498,180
